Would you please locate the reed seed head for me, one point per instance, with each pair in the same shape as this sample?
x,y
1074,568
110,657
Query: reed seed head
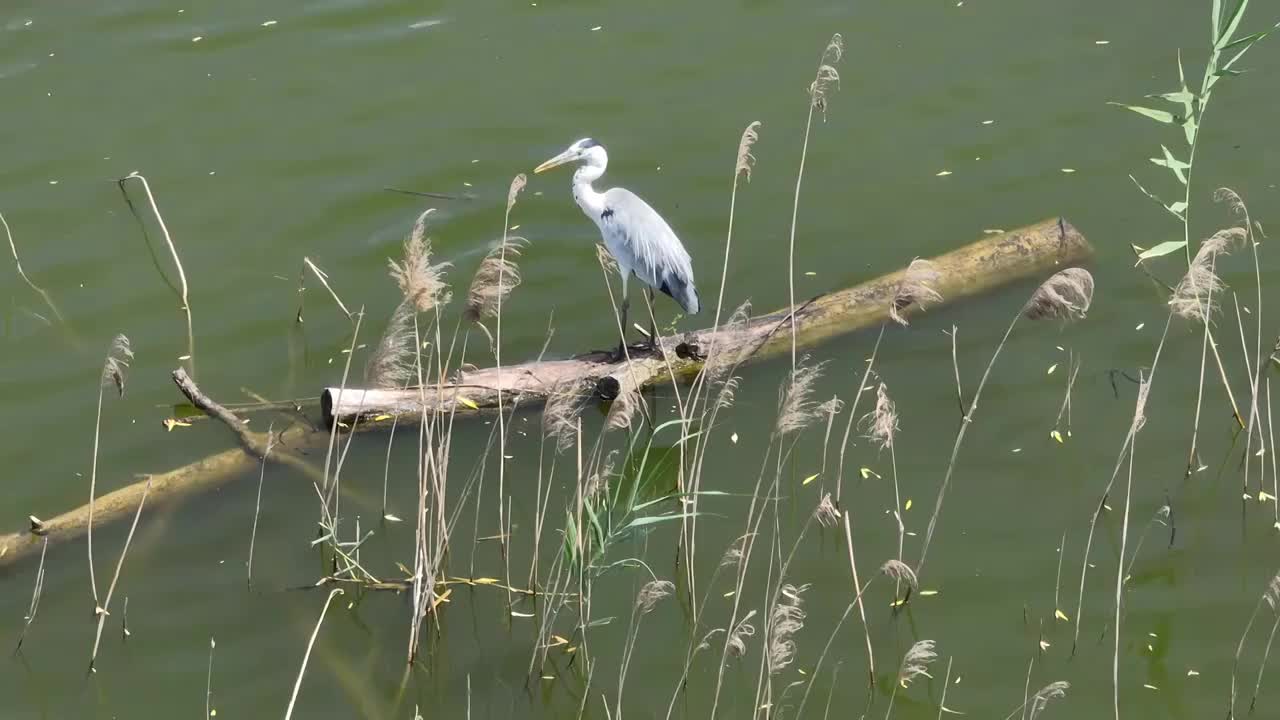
x,y
745,159
517,184
916,287
560,417
1272,593
786,620
652,593
421,283
1052,691
1065,296
826,513
900,571
391,362
1195,296
497,276
623,411
115,368
796,408
827,78
1234,203
737,644
882,422
915,663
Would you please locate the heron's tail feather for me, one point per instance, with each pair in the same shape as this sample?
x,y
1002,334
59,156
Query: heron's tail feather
x,y
683,292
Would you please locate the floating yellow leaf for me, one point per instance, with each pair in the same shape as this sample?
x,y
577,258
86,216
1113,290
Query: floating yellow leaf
x,y
1264,496
1052,368
868,472
380,418
1044,645
520,614
442,598
729,594
1193,673
171,423
484,581
464,400
1056,436
809,479
559,640
928,593
1061,616
908,505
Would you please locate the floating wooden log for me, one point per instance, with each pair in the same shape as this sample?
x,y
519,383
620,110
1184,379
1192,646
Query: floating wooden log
x,y
1028,252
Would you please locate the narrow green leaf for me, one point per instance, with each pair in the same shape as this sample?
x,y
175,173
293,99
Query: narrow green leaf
x,y
1177,208
1189,128
653,519
1246,43
1146,192
1174,164
1246,40
1157,115
1217,20
1232,24
1162,249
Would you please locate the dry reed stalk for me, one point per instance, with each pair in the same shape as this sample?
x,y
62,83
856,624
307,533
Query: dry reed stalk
x,y
173,252
257,505
103,611
323,277
946,681
649,596
1270,596
1139,419
208,682
13,248
824,82
1066,296
1125,448
307,656
114,370
36,591
881,426
863,386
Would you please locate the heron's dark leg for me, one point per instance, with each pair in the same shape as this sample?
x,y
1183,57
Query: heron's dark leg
x,y
622,342
653,329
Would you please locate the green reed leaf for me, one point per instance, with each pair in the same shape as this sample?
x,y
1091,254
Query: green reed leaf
x,y
1162,249
1233,24
1189,128
1157,115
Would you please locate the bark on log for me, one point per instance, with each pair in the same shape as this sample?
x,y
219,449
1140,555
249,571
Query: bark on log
x,y
1032,251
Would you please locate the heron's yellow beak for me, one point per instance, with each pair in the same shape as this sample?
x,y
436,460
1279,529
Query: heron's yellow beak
x,y
556,161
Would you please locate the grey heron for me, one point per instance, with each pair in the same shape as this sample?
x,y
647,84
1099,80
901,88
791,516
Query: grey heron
x,y
635,234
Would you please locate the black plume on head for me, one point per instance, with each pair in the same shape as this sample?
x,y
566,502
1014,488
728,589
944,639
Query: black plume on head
x,y
589,143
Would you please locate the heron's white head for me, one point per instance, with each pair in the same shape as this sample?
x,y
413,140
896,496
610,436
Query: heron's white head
x,y
587,151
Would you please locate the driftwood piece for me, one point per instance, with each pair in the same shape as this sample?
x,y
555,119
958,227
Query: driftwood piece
x,y
196,477
1028,252
995,260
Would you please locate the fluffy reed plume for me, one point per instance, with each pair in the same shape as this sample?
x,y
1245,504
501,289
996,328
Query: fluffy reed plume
x,y
827,78
421,283
882,422
1234,203
733,553
1195,296
116,366
916,662
826,513
916,287
422,288
900,571
785,621
623,411
737,644
517,184
1052,691
745,159
390,365
560,416
796,408
1065,296
653,592
493,282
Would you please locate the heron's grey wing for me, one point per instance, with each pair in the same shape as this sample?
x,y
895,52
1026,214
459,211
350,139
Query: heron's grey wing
x,y
639,238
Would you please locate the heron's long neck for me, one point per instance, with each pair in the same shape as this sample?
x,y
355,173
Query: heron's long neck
x,y
591,202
